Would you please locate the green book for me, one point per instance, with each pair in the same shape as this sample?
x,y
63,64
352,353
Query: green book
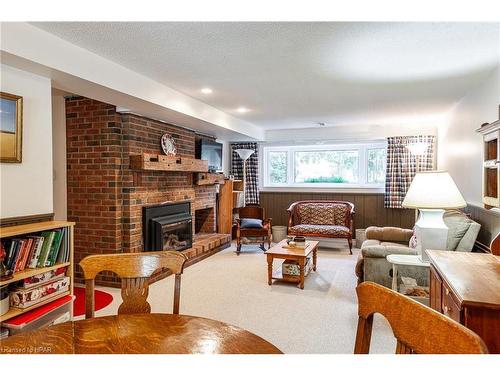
x,y
54,250
48,238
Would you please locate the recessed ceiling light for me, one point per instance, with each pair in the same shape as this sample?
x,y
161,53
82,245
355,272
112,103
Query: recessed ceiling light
x,y
242,110
206,90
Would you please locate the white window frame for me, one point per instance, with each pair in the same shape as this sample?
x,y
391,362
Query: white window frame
x,y
362,149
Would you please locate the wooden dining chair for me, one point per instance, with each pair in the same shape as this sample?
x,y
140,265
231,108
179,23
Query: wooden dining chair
x,y
417,328
134,269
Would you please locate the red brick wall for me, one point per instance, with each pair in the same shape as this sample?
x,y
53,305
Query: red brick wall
x,y
105,197
93,172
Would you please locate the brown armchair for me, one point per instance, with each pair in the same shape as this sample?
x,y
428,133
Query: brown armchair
x,y
318,218
263,233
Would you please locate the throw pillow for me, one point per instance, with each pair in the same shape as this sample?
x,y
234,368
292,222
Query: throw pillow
x,y
251,224
456,232
413,241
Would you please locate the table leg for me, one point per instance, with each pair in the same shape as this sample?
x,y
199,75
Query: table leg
x,y
269,269
315,255
301,268
395,277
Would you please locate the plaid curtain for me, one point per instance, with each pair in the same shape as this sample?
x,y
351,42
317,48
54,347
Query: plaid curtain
x,y
402,165
252,169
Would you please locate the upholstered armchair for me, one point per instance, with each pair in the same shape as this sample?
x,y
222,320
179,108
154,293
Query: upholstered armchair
x,y
380,242
253,224
318,218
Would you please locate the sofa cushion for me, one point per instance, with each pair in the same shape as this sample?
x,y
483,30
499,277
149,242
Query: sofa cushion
x,y
368,243
326,230
251,224
322,213
456,233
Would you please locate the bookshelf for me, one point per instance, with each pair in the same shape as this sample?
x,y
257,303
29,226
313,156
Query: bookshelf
x,y
491,163
28,229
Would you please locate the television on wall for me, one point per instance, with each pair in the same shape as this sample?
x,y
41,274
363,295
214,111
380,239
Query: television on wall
x,y
211,151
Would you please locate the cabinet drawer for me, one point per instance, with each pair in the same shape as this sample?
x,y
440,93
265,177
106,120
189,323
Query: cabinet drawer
x,y
449,305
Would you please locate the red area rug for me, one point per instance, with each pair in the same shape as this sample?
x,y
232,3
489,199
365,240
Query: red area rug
x,y
102,299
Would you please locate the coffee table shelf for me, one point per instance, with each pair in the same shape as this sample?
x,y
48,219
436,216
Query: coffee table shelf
x,y
278,275
298,254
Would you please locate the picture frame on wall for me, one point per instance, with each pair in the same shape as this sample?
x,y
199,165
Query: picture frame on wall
x,y
11,128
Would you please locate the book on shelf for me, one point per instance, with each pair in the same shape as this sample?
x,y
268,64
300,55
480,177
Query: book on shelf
x,y
54,249
47,245
37,250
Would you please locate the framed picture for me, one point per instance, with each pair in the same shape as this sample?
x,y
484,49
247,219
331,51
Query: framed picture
x,y
11,128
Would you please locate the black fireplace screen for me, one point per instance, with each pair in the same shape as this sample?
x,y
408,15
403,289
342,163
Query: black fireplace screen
x,y
167,227
172,236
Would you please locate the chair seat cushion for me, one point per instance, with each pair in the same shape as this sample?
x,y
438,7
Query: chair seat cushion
x,y
311,229
251,224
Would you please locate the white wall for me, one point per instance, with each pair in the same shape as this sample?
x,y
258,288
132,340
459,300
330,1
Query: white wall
x,y
26,188
59,155
459,146
354,133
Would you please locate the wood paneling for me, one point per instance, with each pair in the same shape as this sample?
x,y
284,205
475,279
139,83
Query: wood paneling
x,y
369,208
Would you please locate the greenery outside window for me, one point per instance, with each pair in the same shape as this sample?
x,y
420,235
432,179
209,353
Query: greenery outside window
x,y
325,166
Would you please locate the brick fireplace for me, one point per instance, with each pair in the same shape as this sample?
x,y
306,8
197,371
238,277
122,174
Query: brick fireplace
x,y
106,197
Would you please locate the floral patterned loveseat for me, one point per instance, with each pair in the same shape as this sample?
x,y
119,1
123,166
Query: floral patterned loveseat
x,y
318,218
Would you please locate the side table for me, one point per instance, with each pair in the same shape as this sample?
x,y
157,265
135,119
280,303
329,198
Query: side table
x,y
404,260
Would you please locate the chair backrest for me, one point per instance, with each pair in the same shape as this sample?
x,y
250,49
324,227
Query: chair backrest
x,y
417,328
321,212
134,269
251,212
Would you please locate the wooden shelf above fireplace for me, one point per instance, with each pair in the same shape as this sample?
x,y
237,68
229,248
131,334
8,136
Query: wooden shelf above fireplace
x,y
209,178
157,162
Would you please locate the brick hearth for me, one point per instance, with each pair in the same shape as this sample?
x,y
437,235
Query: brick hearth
x,y
105,196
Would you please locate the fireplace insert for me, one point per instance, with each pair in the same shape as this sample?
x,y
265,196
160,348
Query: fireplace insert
x,y
167,226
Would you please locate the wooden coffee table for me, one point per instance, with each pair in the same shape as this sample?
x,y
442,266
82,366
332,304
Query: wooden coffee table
x,y
298,254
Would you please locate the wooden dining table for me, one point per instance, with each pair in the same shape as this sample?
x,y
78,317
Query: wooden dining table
x,y
139,334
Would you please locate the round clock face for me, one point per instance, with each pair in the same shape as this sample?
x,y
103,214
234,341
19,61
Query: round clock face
x,y
168,144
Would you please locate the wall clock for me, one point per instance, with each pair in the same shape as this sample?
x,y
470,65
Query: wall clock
x,y
168,144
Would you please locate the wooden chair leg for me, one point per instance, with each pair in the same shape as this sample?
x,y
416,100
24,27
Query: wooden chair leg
x,y
177,293
349,240
89,299
363,335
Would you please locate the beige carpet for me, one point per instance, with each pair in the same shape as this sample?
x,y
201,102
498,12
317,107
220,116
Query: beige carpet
x,y
322,318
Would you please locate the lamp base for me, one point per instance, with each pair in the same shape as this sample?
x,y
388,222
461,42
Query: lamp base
x,y
431,232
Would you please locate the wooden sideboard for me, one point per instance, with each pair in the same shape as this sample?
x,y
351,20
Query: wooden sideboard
x,y
466,287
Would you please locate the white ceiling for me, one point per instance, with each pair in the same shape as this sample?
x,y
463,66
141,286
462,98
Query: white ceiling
x,y
293,75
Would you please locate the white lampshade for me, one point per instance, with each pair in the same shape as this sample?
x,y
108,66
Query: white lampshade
x,y
434,189
244,153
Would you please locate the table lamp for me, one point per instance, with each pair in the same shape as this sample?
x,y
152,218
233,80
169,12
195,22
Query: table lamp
x,y
431,193
244,154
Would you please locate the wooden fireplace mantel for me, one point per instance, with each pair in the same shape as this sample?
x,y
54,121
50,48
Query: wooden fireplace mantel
x,y
157,162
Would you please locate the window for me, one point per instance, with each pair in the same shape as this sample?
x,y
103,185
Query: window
x,y
326,166
278,167
345,166
376,165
